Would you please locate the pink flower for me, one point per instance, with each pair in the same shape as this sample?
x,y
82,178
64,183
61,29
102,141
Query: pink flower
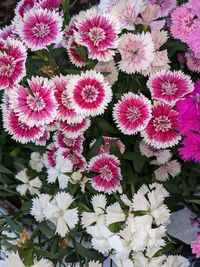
x,y
98,32
162,129
169,86
189,111
65,110
50,4
191,147
132,113
40,28
12,63
108,173
41,141
195,246
107,5
23,6
49,158
193,40
74,144
195,4
182,22
193,62
21,132
35,105
89,93
137,52
166,6
109,69
74,130
77,159
8,31
107,142
73,54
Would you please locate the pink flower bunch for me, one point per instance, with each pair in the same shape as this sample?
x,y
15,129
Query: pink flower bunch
x,y
195,245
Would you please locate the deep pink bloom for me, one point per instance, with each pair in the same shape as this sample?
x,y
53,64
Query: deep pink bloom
x,y
73,54
195,245
98,32
23,6
132,113
69,31
193,40
169,86
89,93
191,147
162,129
40,28
20,131
49,158
189,111
8,31
166,6
65,110
35,105
182,22
41,141
193,62
195,4
77,159
74,144
12,63
74,130
108,173
50,4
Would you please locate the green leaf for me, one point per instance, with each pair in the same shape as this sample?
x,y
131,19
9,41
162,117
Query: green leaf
x,y
46,230
46,254
5,170
95,148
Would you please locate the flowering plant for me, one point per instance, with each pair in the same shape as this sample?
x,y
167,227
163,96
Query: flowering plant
x,y
100,134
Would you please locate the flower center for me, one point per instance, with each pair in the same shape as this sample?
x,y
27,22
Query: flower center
x,y
7,69
133,114
162,124
106,173
169,88
96,35
40,30
89,93
36,102
69,141
65,100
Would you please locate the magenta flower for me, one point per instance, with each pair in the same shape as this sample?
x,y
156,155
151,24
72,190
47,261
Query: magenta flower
x,y
195,246
19,131
189,111
74,130
77,159
166,6
49,158
50,4
191,147
74,144
89,93
182,22
42,140
40,28
193,62
162,129
137,52
23,6
12,63
195,4
98,32
35,105
108,173
65,110
169,86
132,113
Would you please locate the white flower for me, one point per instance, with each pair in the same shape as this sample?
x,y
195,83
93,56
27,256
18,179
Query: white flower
x,y
162,155
155,237
58,212
114,213
13,260
103,239
94,264
141,260
98,216
36,161
176,261
78,178
172,168
122,262
60,171
151,200
32,186
39,205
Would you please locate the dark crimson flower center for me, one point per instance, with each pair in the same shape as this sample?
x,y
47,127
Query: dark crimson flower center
x,y
97,35
162,124
6,68
41,30
89,93
133,113
169,88
69,142
36,102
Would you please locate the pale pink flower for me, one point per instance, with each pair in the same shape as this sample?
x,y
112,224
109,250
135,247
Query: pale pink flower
x,y
109,70
65,110
20,131
74,130
12,63
169,86
108,174
193,40
195,246
98,32
193,62
35,105
40,28
159,38
162,129
107,5
166,6
137,52
89,93
182,22
132,113
195,4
